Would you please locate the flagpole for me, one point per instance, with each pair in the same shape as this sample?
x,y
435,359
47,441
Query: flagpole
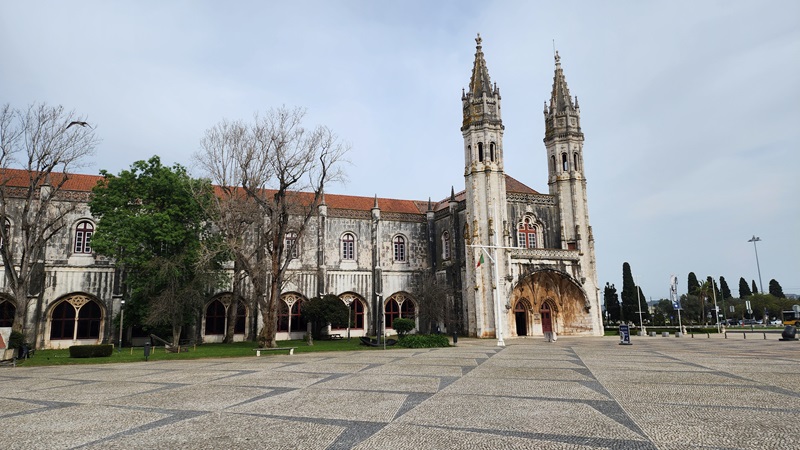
x,y
495,294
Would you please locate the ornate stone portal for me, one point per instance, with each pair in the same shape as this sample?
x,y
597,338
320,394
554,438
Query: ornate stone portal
x,y
553,291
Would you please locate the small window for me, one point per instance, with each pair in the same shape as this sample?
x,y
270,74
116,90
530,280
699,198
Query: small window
x,y
290,244
552,164
446,245
400,249
526,233
83,237
564,162
480,151
348,246
575,161
491,151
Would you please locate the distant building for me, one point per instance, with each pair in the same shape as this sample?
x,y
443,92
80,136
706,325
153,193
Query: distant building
x,y
511,257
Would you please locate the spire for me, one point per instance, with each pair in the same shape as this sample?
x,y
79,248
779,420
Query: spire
x,y
376,202
430,207
481,102
452,194
560,100
480,82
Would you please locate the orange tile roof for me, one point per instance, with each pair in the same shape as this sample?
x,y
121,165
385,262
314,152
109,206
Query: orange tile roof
x,y
82,182
75,182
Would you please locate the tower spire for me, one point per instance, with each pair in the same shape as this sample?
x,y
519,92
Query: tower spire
x,y
482,99
560,100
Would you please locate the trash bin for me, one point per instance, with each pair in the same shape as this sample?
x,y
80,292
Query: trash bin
x,y
146,350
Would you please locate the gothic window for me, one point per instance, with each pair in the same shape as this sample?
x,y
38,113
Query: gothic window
x,y
291,319
348,246
75,322
399,306
480,151
575,161
290,244
357,312
491,151
215,318
526,234
400,249
446,245
62,324
83,237
7,232
564,162
7,311
552,164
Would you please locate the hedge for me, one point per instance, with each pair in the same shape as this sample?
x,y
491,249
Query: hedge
x,y
424,341
90,351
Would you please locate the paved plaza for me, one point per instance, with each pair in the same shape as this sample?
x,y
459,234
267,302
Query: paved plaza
x,y
576,393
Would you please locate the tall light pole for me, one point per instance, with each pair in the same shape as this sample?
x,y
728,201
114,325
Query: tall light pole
x,y
755,239
121,318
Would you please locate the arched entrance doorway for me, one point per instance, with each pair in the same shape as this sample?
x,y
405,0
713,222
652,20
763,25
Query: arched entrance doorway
x,y
547,318
521,318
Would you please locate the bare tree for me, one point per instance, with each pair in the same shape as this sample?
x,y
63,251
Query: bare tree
x,y
432,296
38,148
270,175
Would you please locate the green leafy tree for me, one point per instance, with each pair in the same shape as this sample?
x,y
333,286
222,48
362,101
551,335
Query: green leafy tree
x,y
662,312
692,284
611,299
329,309
754,288
151,222
726,291
39,147
744,289
775,289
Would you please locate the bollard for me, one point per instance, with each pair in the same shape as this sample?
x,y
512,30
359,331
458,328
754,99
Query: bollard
x,y
708,335
455,338
765,336
726,335
146,351
745,335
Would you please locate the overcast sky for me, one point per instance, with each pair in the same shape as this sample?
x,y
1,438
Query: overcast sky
x,y
690,109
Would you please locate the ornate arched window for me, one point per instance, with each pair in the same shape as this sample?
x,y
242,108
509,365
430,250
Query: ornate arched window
x,y
527,233
575,161
83,237
564,162
217,316
446,245
348,246
398,306
289,313
76,318
399,245
290,244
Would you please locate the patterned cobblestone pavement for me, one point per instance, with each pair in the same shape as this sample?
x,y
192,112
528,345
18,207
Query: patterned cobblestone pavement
x,y
576,393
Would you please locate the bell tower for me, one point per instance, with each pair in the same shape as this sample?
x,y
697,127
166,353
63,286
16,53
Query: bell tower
x,y
563,139
486,217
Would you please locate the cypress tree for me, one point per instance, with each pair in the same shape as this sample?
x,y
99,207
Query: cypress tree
x,y
726,291
744,289
611,300
755,289
692,284
775,289
630,307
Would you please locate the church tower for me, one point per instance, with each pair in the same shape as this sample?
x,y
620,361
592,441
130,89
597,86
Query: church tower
x,y
564,142
486,217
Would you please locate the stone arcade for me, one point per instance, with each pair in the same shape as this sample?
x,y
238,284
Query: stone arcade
x,y
371,252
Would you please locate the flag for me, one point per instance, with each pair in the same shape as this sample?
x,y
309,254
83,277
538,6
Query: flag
x,y
480,261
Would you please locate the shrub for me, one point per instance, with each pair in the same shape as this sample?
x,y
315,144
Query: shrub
x,y
15,340
402,326
90,351
424,341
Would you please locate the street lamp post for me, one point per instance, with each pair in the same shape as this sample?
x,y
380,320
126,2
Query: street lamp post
x,y
121,318
755,239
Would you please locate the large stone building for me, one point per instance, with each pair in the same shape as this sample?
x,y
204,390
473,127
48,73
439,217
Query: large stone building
x,y
516,262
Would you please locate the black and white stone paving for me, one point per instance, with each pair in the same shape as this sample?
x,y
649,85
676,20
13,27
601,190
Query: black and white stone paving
x,y
576,393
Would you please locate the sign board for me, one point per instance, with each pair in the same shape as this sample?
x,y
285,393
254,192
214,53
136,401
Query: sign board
x,y
747,304
624,335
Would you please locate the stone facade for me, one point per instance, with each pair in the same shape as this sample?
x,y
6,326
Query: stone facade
x,y
515,262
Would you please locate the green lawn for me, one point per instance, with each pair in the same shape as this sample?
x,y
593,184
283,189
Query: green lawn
x,y
238,349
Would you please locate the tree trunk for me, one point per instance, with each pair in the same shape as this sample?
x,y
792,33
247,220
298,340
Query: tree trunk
x,y
176,335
